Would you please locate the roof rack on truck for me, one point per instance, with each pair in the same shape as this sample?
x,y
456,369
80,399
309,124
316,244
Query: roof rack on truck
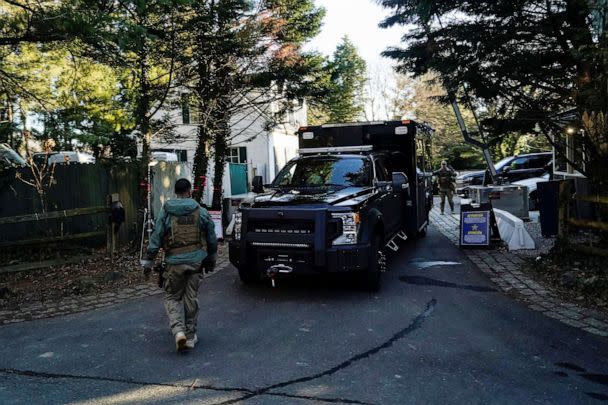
x,y
385,135
337,149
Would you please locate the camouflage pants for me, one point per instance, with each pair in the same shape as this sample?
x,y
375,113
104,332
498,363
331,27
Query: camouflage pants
x,y
181,297
449,193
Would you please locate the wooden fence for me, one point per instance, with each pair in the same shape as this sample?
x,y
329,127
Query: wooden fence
x,y
77,205
569,221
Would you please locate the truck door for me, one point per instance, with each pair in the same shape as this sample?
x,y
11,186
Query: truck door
x,y
391,200
421,197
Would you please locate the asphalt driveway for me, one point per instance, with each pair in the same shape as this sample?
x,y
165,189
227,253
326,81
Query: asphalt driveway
x,y
438,332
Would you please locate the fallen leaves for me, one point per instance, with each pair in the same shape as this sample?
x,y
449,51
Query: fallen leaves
x,y
95,274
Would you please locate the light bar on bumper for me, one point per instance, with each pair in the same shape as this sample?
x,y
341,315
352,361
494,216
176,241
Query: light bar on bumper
x,y
350,228
281,245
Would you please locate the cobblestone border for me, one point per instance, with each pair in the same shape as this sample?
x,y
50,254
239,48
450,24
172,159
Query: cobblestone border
x,y
72,305
503,268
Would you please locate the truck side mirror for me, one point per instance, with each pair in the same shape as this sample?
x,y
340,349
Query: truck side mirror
x,y
257,184
400,182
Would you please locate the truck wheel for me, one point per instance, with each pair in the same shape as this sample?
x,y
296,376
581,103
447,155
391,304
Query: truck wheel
x,y
249,276
372,277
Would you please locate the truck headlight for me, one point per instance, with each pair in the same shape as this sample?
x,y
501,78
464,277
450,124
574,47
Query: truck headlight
x,y
238,223
350,228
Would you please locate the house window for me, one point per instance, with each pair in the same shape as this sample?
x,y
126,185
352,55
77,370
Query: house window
x,y
574,152
237,155
190,112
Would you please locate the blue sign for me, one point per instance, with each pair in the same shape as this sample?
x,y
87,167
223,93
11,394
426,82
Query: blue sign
x,y
475,228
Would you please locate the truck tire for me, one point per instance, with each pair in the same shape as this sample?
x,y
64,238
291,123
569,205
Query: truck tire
x,y
249,276
373,276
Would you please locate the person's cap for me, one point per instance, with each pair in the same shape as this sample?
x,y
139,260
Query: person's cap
x,y
182,186
443,162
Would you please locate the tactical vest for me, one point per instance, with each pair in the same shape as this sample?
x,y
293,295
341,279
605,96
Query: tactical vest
x,y
185,234
445,179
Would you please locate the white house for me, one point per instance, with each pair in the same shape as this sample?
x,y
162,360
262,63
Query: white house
x,y
254,149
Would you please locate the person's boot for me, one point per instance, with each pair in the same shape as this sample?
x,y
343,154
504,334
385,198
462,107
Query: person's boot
x,y
190,343
180,341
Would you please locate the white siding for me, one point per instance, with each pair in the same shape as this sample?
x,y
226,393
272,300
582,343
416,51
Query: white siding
x,y
267,151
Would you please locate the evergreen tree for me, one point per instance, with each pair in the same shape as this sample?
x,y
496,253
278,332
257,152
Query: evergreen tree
x,y
48,24
247,55
111,66
81,104
348,76
529,60
90,69
148,35
43,71
345,100
218,37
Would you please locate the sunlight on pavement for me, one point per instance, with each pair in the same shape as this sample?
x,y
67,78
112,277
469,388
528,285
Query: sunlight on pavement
x,y
159,394
424,264
314,391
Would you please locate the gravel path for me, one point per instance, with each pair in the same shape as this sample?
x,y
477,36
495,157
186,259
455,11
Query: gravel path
x,y
543,245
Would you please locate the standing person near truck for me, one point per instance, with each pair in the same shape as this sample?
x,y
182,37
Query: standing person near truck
x,y
445,179
186,233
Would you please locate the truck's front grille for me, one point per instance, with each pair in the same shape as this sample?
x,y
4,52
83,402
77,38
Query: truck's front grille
x,y
284,231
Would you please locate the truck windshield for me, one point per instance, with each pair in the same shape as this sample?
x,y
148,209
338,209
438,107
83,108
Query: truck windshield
x,y
326,171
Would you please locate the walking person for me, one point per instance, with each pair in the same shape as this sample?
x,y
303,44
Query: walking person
x,y
186,233
445,179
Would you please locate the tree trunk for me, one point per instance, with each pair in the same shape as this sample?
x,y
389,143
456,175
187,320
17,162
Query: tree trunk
x,y
144,169
143,121
220,146
204,96
201,162
598,175
11,138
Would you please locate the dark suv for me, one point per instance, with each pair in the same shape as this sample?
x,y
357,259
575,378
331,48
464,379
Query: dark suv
x,y
512,168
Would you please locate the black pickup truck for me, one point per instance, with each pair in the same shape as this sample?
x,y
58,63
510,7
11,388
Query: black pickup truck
x,y
353,190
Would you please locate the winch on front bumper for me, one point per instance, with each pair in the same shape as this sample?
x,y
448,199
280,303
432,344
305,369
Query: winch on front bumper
x,y
294,241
